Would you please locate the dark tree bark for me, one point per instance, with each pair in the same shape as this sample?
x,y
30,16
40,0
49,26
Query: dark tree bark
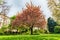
x,y
31,28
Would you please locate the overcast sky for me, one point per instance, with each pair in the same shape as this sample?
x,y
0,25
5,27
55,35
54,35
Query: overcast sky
x,y
17,5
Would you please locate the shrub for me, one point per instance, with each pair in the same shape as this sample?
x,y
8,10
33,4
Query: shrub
x,y
40,31
57,29
36,32
3,28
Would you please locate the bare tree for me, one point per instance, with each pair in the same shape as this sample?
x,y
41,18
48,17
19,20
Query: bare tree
x,y
5,10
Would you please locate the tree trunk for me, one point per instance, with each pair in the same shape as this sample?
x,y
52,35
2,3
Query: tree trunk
x,y
31,29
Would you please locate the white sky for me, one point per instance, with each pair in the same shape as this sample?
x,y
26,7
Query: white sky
x,y
17,5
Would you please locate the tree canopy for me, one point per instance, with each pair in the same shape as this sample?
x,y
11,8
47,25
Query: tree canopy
x,y
54,6
32,16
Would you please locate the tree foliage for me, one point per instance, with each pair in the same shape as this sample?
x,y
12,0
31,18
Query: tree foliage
x,y
31,16
4,10
51,24
12,18
54,5
1,1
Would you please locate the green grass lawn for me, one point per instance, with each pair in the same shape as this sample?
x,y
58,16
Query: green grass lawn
x,y
31,37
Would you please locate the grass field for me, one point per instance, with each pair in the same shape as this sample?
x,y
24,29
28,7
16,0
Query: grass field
x,y
31,37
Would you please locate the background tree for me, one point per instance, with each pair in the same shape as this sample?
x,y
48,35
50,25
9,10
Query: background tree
x,y
4,10
54,6
31,16
1,1
51,24
12,18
